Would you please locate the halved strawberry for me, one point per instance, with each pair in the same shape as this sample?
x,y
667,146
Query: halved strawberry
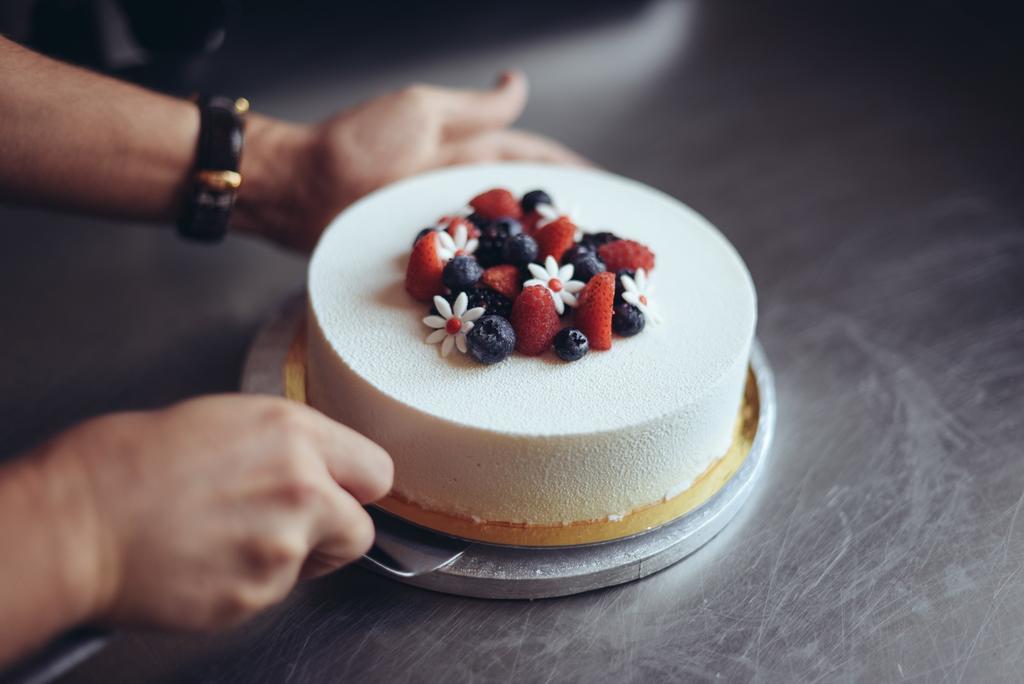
x,y
505,279
496,203
626,254
555,237
594,311
530,222
535,320
423,274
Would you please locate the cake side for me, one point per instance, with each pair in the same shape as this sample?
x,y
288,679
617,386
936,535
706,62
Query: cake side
x,y
542,479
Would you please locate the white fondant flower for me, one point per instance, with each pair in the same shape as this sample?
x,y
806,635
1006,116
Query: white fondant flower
x,y
548,214
459,245
558,282
451,326
637,291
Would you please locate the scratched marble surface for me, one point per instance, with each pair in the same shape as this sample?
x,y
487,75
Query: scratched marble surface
x,y
867,164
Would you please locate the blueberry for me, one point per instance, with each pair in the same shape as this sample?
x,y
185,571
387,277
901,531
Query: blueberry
x,y
533,198
618,283
428,229
571,344
586,267
520,249
627,320
595,240
493,302
490,245
461,273
477,220
491,340
575,252
508,225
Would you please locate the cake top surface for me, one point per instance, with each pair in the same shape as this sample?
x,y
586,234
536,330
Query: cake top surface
x,y
705,300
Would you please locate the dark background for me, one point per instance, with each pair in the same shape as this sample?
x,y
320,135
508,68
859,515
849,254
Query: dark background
x,y
865,159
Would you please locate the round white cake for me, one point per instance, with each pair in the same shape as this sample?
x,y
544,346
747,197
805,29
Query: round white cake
x,y
532,440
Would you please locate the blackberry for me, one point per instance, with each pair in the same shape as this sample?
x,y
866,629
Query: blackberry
x,y
618,283
571,344
627,320
477,220
490,245
461,273
533,198
491,340
575,252
494,303
595,240
586,267
508,225
520,250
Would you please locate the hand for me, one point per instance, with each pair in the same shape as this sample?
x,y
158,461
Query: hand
x,y
329,166
209,511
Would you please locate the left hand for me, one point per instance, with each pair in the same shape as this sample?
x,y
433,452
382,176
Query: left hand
x,y
320,170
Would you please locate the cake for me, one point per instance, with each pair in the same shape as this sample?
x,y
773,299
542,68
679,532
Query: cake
x,y
535,450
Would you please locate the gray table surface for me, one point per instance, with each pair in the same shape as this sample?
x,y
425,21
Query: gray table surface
x,y
867,164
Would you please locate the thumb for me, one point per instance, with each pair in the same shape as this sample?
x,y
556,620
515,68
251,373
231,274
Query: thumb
x,y
471,111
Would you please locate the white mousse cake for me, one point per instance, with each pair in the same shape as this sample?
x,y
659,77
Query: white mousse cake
x,y
533,443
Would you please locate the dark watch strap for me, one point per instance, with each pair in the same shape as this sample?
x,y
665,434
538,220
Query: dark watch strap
x,y
216,178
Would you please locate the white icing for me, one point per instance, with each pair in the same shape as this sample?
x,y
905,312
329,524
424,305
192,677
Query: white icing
x,y
548,273
532,439
616,517
678,489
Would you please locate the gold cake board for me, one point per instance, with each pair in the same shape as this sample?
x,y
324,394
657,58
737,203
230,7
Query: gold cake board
x,y
584,532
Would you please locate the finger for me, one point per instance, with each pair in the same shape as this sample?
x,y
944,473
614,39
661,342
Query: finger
x,y
356,463
470,111
343,533
513,145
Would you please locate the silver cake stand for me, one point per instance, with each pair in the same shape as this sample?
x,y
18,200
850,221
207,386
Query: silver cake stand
x,y
411,554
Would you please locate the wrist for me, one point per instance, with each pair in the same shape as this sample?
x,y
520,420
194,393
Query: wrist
x,y
271,201
83,555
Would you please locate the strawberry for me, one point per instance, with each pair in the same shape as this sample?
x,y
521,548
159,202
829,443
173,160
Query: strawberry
x,y
504,279
594,311
423,274
496,203
535,320
530,222
626,254
554,238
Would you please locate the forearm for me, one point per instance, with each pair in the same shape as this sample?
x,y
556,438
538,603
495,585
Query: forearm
x,y
81,141
50,576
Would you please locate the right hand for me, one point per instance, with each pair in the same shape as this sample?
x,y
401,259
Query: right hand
x,y
299,177
210,510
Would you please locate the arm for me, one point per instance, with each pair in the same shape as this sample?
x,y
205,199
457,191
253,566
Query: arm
x,y
84,142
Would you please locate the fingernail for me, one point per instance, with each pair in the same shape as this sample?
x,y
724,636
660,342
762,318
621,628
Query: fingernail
x,y
506,76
